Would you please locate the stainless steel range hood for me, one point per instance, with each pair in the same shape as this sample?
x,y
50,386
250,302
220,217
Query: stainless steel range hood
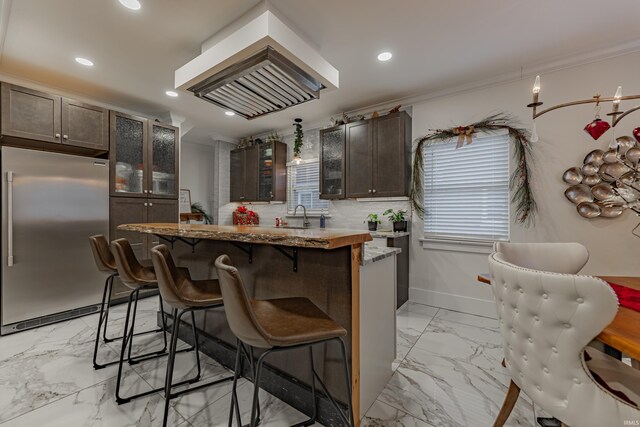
x,y
257,68
262,84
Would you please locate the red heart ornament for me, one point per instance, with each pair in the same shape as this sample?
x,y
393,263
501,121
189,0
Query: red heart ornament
x,y
636,134
596,128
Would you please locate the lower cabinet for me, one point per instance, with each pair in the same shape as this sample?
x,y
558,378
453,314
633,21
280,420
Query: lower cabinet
x,y
135,210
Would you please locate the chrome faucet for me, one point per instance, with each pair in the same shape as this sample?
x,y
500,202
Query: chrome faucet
x,y
305,222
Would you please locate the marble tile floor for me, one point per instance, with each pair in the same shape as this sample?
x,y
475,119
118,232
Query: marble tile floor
x,y
447,373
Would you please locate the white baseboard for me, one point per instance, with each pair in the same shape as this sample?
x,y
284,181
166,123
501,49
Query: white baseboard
x,y
454,302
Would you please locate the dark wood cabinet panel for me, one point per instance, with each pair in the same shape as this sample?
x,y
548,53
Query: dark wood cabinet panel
x,y
332,163
236,175
160,210
128,210
258,173
30,114
162,165
85,125
272,172
135,210
250,168
359,159
391,155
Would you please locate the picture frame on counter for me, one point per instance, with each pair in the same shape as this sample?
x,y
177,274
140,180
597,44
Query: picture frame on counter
x,y
185,201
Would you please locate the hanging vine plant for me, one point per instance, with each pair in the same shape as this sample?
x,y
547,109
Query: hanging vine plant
x,y
299,135
520,181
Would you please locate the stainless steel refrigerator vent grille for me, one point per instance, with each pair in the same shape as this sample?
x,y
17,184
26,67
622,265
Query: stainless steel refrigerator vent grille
x,y
261,84
47,320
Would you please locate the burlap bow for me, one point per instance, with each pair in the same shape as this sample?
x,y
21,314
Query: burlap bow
x,y
464,133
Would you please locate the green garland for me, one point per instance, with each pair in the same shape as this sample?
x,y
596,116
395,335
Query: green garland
x,y
520,181
297,143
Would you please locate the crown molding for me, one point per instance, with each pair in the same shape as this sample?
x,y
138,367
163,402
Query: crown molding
x,y
530,71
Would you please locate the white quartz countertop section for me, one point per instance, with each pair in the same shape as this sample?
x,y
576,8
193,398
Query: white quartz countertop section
x,y
375,253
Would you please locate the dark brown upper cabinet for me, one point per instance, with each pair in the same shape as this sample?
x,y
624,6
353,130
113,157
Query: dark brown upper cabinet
x,y
39,116
85,125
244,174
332,163
272,172
391,155
368,158
359,159
144,157
259,173
30,114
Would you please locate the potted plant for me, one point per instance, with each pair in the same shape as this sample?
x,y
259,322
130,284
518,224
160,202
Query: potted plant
x,y
398,219
372,221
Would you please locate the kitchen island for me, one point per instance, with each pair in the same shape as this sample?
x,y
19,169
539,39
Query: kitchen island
x,y
324,265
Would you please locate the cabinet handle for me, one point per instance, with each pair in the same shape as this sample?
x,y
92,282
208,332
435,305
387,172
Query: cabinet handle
x,y
369,191
65,136
57,135
150,204
150,191
145,191
374,190
146,204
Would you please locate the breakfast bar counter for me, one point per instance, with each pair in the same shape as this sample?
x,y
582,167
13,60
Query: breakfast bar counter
x,y
323,265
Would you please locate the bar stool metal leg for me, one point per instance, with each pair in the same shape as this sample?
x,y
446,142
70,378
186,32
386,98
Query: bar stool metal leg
x,y
168,395
102,319
234,396
138,359
170,363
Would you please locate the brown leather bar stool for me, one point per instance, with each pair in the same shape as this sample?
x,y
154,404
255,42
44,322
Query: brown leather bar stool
x,y
137,277
106,264
184,295
277,325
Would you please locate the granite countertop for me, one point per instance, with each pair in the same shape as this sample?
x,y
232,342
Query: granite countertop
x,y
372,254
387,234
321,238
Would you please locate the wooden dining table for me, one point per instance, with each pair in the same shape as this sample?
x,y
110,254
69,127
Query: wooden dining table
x,y
623,334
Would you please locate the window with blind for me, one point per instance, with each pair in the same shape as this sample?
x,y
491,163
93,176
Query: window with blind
x,y
303,188
466,191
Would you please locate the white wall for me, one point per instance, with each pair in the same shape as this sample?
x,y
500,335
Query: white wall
x,y
448,279
197,173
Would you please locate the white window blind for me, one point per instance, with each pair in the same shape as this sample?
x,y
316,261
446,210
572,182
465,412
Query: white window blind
x,y
303,188
466,191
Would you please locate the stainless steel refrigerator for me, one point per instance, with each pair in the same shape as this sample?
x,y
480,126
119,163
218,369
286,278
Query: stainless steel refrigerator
x,y
51,204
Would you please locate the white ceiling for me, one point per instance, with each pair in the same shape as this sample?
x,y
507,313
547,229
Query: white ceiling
x,y
436,45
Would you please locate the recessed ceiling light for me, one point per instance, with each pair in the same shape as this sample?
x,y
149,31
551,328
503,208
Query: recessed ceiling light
x,y
84,61
171,93
131,4
230,113
384,56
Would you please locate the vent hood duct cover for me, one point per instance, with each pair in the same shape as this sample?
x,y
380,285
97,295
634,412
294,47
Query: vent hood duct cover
x,y
262,84
256,66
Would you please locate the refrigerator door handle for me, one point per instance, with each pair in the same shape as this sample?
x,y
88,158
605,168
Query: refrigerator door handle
x,y
9,218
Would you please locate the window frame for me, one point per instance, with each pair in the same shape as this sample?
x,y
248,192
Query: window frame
x,y
310,212
467,243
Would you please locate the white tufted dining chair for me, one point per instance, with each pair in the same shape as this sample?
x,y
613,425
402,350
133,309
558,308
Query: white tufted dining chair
x,y
546,322
566,258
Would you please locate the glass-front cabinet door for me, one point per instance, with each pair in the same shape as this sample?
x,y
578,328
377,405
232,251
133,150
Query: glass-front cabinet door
x,y
162,170
265,172
332,152
127,146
